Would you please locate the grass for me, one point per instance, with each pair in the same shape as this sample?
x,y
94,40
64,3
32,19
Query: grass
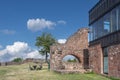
x,y
21,72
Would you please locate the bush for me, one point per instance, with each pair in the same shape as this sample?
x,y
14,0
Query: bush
x,y
18,60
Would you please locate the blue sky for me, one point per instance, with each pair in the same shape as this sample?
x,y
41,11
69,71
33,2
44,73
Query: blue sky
x,y
21,21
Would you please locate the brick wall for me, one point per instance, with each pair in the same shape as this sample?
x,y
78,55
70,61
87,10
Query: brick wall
x,y
114,60
75,45
95,58
72,65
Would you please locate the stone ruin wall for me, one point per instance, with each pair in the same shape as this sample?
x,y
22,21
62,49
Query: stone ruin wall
x,y
72,66
79,40
75,45
27,60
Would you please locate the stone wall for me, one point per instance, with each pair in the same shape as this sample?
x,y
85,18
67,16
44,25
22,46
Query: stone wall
x,y
33,60
95,58
24,61
10,63
75,45
72,65
114,60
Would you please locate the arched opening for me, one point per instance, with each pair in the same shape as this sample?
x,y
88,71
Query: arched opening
x,y
71,62
70,58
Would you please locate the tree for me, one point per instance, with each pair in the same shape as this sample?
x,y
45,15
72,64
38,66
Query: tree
x,y
18,60
44,42
72,60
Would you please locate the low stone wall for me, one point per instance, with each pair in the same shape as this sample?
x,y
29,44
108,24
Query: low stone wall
x,y
25,61
10,63
72,66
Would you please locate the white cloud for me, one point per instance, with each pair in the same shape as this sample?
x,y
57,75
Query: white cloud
x,y
33,54
8,32
61,22
18,49
39,24
3,52
62,41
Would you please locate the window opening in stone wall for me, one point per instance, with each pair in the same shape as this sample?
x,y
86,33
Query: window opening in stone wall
x,y
71,62
105,60
70,58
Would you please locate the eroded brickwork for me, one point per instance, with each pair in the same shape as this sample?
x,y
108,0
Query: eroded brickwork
x,y
114,60
95,58
75,45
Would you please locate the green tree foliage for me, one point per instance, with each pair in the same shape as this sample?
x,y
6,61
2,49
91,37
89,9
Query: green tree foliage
x,y
72,60
44,42
18,60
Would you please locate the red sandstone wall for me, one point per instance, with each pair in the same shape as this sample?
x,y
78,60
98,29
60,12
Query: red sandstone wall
x,y
114,60
95,58
75,46
79,40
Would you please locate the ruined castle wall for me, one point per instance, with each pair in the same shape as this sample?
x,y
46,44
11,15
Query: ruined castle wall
x,y
75,45
79,40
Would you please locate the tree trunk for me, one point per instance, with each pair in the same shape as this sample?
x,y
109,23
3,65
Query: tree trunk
x,y
46,57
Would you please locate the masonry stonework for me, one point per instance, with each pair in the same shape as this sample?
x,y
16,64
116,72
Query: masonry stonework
x,y
114,60
76,45
95,58
89,56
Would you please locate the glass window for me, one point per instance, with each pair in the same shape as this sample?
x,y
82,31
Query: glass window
x,y
119,18
95,33
100,27
91,34
106,25
113,20
105,60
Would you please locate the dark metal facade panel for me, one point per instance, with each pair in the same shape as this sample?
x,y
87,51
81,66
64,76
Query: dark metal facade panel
x,y
108,40
101,8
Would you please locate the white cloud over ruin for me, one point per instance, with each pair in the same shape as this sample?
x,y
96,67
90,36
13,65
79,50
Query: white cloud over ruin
x,y
62,41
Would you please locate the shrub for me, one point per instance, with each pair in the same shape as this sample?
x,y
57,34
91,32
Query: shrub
x,y
18,60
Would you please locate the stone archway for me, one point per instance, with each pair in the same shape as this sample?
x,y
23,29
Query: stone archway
x,y
71,58
76,45
71,64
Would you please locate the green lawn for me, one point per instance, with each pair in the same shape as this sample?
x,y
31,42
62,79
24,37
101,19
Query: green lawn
x,y
21,72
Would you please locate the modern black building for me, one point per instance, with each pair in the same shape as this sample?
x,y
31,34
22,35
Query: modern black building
x,y
104,22
104,18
